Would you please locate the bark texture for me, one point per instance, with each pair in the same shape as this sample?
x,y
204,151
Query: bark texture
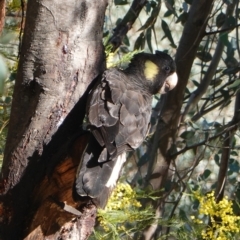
x,y
61,54
56,211
2,14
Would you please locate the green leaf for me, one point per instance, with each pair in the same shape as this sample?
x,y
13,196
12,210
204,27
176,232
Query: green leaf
x,y
225,94
232,70
120,2
234,153
187,91
151,20
204,56
187,134
170,2
13,76
189,1
217,159
236,84
150,5
216,82
168,13
231,61
143,160
193,125
234,167
183,215
140,42
167,32
224,38
126,41
149,38
205,174
118,21
195,205
182,18
220,19
236,207
231,22
195,83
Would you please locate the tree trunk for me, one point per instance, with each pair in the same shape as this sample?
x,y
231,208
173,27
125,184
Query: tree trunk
x,y
61,54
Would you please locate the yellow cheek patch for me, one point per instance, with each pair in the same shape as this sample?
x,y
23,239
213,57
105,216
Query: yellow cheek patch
x,y
151,70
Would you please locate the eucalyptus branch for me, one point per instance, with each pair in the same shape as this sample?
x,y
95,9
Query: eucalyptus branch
x,y
237,31
126,24
222,30
202,88
205,111
221,88
159,163
219,193
196,162
203,142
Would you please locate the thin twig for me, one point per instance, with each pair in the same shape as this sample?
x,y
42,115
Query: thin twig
x,y
228,129
222,30
196,162
237,38
21,29
126,24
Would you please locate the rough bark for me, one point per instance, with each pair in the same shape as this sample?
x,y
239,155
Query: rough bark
x,y
2,15
193,33
57,212
61,54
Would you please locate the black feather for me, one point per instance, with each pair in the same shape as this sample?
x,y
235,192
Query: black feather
x,y
118,111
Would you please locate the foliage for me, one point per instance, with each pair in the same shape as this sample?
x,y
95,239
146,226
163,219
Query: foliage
x,y
8,66
208,112
208,119
111,57
124,216
224,224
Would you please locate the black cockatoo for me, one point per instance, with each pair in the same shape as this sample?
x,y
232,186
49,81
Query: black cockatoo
x,y
118,112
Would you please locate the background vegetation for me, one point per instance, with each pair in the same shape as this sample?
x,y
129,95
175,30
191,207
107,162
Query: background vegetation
x,y
199,196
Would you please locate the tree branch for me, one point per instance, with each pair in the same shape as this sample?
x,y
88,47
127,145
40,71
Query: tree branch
x,y
193,32
221,182
203,142
200,91
223,30
126,24
195,163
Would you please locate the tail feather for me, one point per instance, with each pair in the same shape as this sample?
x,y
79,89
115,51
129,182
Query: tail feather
x,y
97,179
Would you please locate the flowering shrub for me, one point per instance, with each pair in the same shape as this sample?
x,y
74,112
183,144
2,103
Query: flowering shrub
x,y
123,214
223,222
